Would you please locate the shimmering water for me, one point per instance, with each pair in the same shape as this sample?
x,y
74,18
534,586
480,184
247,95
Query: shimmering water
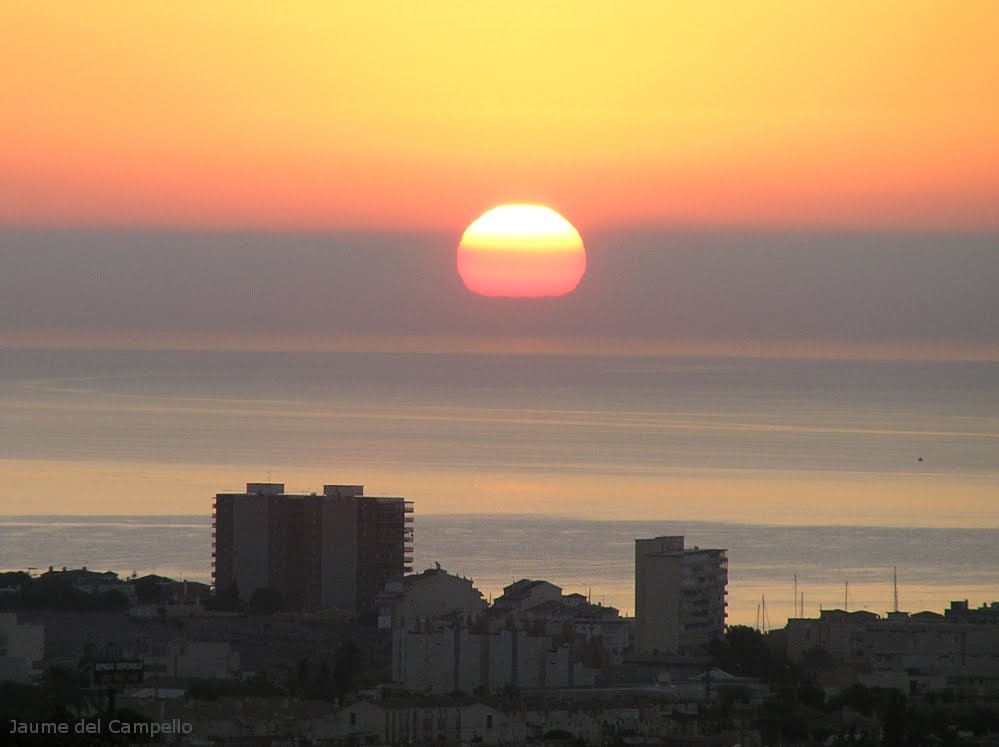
x,y
595,557
834,469
745,440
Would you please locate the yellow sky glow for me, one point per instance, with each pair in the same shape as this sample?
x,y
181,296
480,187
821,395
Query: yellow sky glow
x,y
416,114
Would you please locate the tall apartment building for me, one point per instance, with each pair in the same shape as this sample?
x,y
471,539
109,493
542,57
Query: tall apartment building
x,y
679,596
337,549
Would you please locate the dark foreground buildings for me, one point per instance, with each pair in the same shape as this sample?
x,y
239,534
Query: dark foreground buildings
x,y
337,549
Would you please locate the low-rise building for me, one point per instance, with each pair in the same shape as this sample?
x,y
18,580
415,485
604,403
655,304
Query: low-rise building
x,y
190,660
428,595
447,656
22,648
441,720
522,595
914,653
836,631
960,612
445,638
94,583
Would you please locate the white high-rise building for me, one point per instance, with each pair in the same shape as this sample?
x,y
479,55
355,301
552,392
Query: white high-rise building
x,y
679,596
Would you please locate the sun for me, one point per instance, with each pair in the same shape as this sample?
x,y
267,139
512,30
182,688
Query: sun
x,y
521,251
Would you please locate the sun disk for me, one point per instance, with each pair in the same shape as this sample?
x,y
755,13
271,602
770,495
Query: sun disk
x,y
521,251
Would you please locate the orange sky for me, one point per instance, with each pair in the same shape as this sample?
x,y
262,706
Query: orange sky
x,y
420,115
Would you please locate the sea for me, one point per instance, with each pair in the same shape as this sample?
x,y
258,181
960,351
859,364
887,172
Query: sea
x,y
839,479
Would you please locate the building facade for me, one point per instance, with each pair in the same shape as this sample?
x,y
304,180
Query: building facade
x,y
915,653
522,595
445,639
338,549
431,594
22,648
182,659
446,656
679,596
960,611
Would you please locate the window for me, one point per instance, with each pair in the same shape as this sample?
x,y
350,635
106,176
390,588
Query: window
x,y
489,721
353,718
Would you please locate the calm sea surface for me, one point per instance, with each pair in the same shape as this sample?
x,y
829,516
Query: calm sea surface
x,y
596,557
834,469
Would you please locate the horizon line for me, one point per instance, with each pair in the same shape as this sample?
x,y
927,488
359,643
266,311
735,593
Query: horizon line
x,y
828,349
561,516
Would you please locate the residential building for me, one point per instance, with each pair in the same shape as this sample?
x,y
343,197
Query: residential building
x,y
430,594
679,596
915,653
639,715
522,595
94,583
442,720
335,550
445,640
445,656
960,612
181,659
835,631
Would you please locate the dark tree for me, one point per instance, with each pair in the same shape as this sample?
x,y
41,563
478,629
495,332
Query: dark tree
x,y
267,601
346,668
744,652
227,599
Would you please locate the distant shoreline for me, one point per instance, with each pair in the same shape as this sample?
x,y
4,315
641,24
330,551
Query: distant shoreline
x,y
590,556
203,518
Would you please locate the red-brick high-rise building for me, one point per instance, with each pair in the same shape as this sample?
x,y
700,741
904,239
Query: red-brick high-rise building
x,y
337,549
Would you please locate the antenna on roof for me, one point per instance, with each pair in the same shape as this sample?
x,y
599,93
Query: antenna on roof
x,y
794,599
894,580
